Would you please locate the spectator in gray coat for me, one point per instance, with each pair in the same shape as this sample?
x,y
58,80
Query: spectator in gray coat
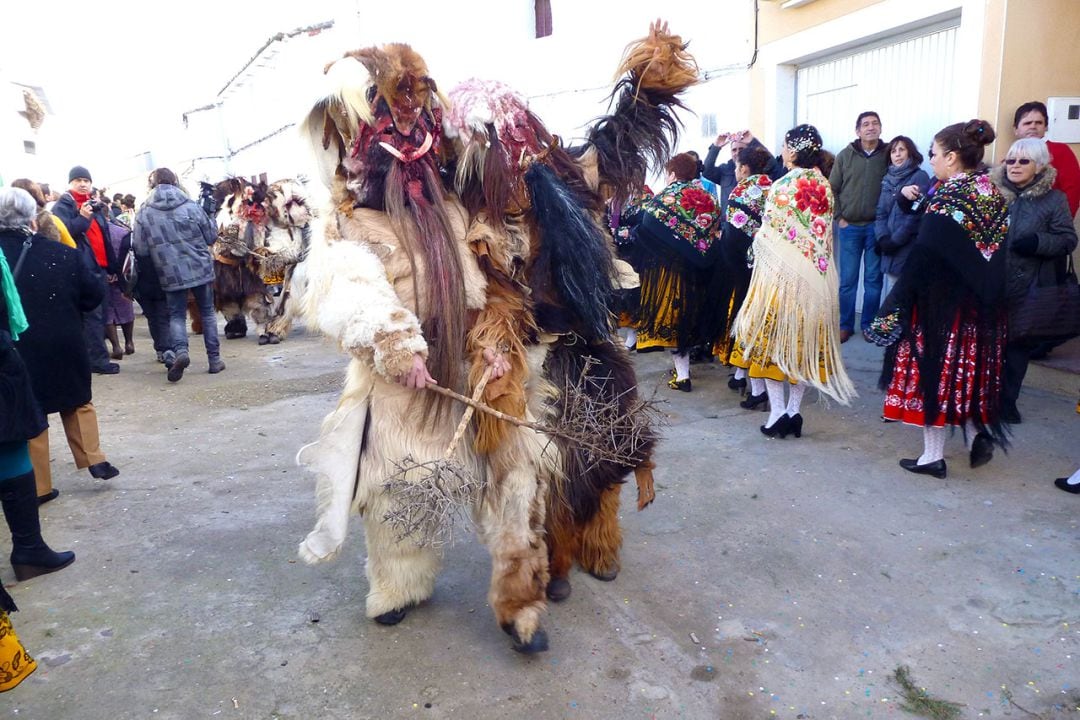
x,y
894,228
1041,235
176,234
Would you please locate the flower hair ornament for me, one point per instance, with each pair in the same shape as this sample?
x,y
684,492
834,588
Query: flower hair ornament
x,y
803,138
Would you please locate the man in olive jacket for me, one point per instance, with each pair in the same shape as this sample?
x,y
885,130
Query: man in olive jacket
x,y
856,183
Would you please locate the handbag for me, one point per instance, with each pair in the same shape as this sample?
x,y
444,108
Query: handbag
x,y
21,417
15,663
129,274
1049,311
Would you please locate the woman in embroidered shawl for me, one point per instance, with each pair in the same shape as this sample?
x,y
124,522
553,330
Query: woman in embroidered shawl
x,y
677,228
789,324
946,317
731,273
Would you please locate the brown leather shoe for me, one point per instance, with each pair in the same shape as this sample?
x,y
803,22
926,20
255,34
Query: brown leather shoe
x,y
845,335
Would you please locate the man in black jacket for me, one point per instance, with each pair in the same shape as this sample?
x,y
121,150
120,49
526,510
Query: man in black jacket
x,y
89,227
724,174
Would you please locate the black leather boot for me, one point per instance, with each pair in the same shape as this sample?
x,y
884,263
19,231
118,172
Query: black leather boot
x,y
30,556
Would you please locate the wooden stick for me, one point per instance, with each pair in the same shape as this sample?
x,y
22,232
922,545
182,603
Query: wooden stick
x,y
469,410
605,452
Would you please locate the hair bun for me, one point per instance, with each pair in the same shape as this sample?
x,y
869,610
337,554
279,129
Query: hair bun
x,y
979,132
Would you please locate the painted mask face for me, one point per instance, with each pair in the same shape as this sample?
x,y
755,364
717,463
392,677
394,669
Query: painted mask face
x,y
411,96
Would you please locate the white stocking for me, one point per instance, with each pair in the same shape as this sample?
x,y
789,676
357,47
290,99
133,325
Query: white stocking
x,y
740,373
757,386
1074,479
933,445
795,393
775,388
682,366
631,338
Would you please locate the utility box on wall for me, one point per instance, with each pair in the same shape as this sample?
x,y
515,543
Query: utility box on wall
x,y
1064,125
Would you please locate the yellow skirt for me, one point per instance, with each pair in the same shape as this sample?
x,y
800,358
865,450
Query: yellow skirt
x,y
15,663
665,325
760,364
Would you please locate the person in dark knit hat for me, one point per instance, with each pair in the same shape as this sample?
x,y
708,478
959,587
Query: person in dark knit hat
x,y
89,226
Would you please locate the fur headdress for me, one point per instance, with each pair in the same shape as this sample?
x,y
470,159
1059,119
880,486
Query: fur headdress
x,y
377,141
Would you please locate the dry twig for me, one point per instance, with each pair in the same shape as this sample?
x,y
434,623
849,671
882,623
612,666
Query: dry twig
x,y
430,497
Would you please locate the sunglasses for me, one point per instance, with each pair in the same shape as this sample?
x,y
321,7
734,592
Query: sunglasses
x,y
1014,161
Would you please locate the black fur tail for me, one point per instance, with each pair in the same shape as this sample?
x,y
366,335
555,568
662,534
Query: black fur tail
x,y
572,269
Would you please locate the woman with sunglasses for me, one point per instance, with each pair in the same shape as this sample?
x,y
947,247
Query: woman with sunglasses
x,y
1041,235
945,320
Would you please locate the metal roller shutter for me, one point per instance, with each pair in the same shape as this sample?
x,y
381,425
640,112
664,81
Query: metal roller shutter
x,y
909,83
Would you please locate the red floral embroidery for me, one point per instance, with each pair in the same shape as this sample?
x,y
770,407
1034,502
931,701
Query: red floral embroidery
x,y
810,194
697,201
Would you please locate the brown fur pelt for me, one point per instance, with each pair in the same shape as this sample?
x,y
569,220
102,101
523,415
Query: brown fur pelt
x,y
235,282
659,61
503,325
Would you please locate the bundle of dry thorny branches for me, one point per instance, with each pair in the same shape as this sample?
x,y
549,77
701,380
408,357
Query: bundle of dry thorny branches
x,y
429,498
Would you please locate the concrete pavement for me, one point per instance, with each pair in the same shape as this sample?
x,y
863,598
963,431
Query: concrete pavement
x,y
771,579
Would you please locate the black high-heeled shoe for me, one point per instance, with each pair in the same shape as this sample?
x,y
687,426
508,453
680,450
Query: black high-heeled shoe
x,y
795,425
780,427
753,401
736,383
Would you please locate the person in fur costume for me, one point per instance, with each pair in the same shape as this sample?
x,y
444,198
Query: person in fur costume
x,y
263,235
544,205
393,278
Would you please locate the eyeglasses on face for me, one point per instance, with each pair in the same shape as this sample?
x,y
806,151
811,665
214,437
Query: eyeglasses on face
x,y
1015,161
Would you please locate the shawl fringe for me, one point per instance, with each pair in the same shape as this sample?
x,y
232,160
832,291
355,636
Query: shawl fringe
x,y
775,322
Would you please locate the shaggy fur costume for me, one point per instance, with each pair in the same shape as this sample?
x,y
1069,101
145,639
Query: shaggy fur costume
x,y
263,237
371,287
558,202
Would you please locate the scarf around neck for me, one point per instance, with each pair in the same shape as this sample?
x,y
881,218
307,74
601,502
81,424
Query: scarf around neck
x,y
684,217
16,317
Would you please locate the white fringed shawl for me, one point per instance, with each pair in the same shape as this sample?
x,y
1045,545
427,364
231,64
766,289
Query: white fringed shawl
x,y
791,315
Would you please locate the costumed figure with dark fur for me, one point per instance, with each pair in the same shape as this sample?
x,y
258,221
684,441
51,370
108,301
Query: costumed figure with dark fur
x,y
394,279
544,206
263,234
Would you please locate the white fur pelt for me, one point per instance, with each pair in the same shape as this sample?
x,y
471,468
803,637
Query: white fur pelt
x,y
334,458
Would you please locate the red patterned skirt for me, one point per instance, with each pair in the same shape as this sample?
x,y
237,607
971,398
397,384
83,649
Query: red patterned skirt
x,y
963,389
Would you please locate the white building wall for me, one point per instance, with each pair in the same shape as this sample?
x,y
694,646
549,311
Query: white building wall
x,y
566,76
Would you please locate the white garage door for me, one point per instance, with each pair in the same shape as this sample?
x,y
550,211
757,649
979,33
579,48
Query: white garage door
x,y
908,82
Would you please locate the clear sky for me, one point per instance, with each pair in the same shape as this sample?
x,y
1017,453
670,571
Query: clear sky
x,y
115,70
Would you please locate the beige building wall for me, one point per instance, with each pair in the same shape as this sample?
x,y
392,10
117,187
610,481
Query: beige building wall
x,y
1038,59
776,23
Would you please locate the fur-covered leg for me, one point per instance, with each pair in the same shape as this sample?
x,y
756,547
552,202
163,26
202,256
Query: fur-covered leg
x,y
257,305
646,489
400,573
564,542
235,323
601,538
512,526
194,315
